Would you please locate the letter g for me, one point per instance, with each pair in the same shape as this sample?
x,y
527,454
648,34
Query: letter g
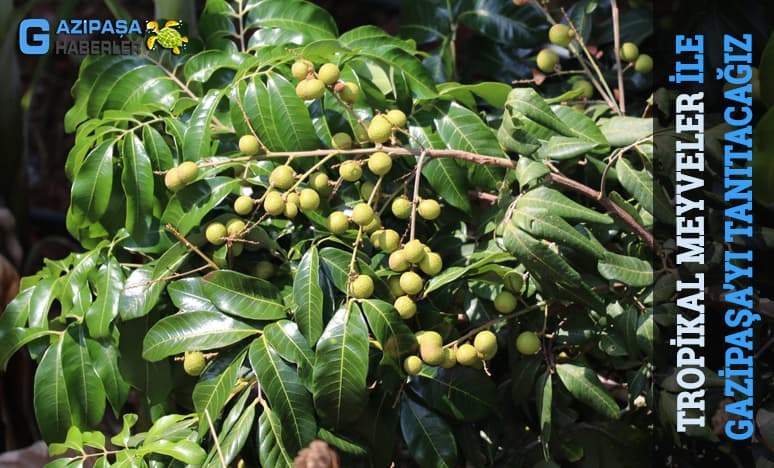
x,y
32,42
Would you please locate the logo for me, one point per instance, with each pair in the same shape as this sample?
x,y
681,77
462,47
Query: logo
x,y
33,36
168,37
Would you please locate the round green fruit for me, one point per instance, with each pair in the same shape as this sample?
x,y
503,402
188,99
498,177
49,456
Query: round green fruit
x,y
405,306
290,211
194,363
300,70
215,233
401,208
362,214
351,92
310,89
429,209
467,355
431,354
338,223
264,270
375,224
394,285
235,226
309,200
560,35
505,302
449,358
341,141
249,145
380,129
187,172
273,203
432,264
587,90
282,177
328,73
366,189
362,287
513,281
319,181
236,249
411,283
429,337
485,343
528,343
243,205
414,251
398,262
629,52
379,163
643,64
412,365
397,118
390,241
172,180
350,171
547,60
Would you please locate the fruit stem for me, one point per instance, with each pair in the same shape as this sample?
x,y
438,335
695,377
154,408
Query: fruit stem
x,y
352,261
617,46
312,170
415,197
489,323
188,244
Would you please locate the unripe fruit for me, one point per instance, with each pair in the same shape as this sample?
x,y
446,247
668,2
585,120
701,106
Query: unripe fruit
x,y
547,60
362,214
375,224
377,237
194,363
243,205
406,307
432,355
338,87
513,281
350,171
299,70
236,249
273,203
319,181
351,92
234,227
429,337
485,343
187,172
328,73
309,200
379,163
394,285
586,87
397,118
282,177
528,343
629,52
390,241
310,89
341,141
398,262
414,251
215,233
644,64
249,145
411,283
467,355
264,269
412,365
366,189
560,35
361,287
505,302
292,197
429,209
401,208
432,264
449,358
172,181
291,210
380,129
338,222
361,134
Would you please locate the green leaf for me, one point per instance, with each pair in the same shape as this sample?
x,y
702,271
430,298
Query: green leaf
x,y
448,179
104,358
337,266
623,131
303,21
201,66
581,126
12,340
271,449
524,373
197,140
427,435
545,404
454,273
501,21
418,78
183,450
110,282
341,443
151,378
394,336
137,180
213,390
284,336
84,387
369,36
158,151
341,365
545,200
287,396
232,442
553,228
244,296
639,184
766,68
188,295
493,92
461,392
308,296
628,270
92,185
561,148
51,401
584,385
122,438
199,330
526,103
188,207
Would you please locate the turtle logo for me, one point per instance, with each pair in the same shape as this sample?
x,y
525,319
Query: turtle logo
x,y
168,37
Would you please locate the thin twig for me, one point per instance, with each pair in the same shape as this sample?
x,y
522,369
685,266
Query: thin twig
x,y
415,198
489,323
188,244
215,439
617,45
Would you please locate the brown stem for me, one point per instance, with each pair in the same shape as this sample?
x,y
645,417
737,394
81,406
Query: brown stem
x,y
617,45
188,244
